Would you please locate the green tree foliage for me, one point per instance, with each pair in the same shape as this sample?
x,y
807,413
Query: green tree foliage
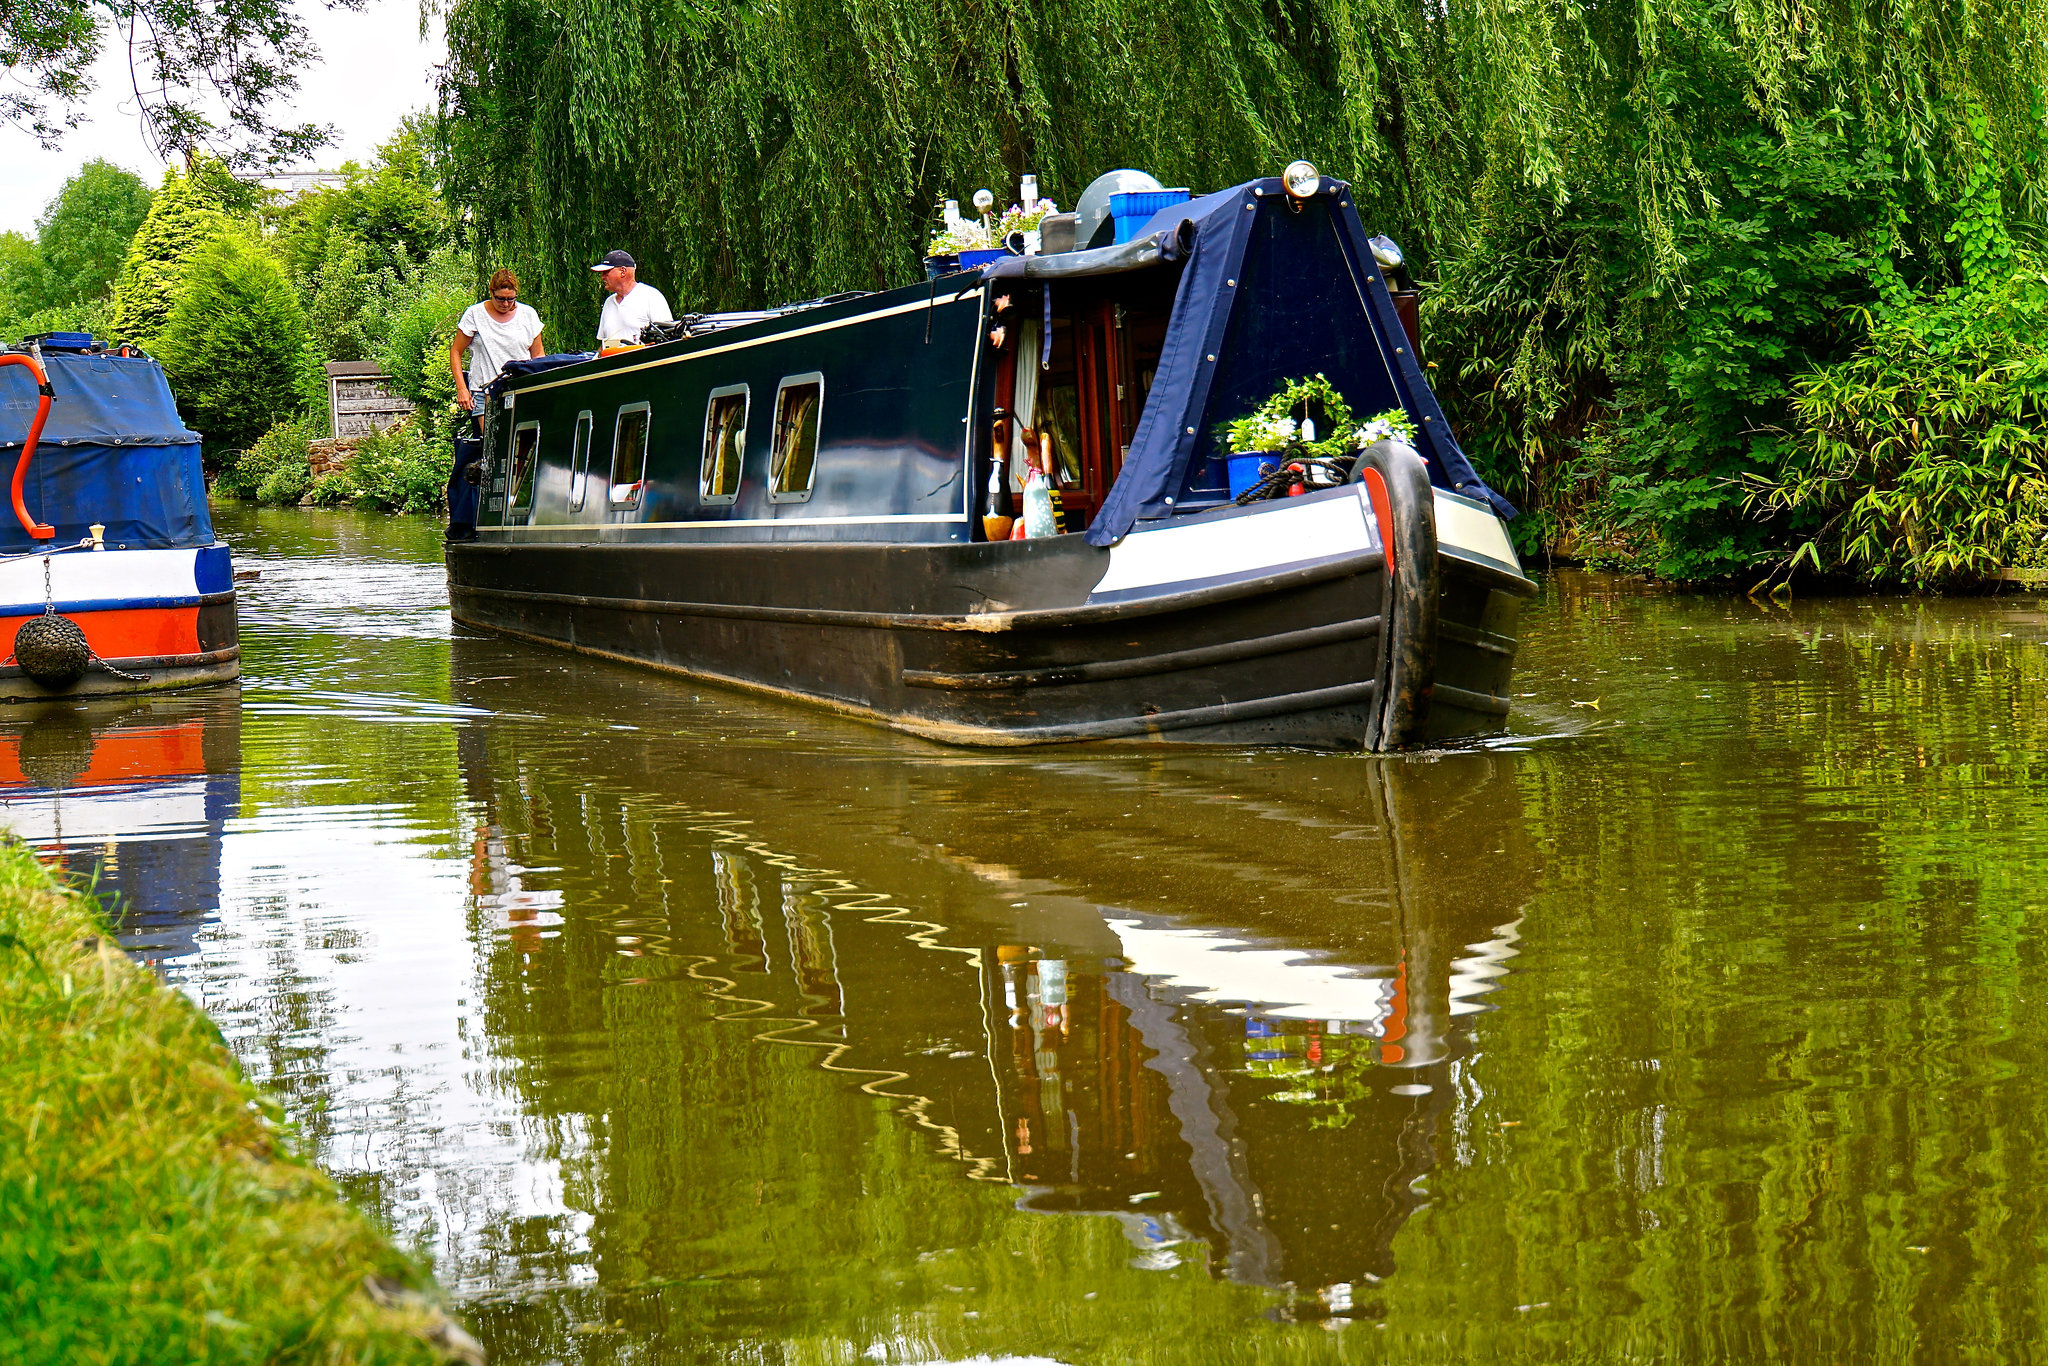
x,y
208,73
279,458
357,251
423,305
1641,224
84,235
59,280
235,343
24,284
187,215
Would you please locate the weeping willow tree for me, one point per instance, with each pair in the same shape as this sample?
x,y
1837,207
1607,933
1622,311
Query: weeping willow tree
x,y
1644,220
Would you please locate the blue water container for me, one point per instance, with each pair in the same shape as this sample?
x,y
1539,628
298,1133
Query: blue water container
x,y
1248,469
1133,211
64,341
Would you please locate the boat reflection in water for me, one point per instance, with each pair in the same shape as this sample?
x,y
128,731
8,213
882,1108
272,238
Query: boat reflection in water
x,y
130,795
1187,995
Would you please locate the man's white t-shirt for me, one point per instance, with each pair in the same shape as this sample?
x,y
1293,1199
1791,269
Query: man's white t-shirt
x,y
493,342
621,321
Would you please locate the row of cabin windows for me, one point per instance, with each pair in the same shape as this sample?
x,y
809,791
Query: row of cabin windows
x,y
792,451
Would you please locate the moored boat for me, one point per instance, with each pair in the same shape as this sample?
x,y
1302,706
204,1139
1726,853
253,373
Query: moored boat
x,y
111,579
833,542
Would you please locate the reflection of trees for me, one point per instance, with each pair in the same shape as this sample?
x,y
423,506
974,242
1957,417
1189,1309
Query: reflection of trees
x,y
736,1035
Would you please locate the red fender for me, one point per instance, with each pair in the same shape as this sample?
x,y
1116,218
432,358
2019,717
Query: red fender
x,y
35,529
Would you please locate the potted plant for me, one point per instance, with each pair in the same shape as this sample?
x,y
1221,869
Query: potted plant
x,y
1305,425
969,243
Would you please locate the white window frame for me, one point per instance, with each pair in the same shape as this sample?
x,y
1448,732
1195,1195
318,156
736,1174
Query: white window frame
x,y
705,497
585,432
779,495
512,503
646,447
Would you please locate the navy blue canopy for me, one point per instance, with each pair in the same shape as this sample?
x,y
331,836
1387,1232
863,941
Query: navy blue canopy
x,y
533,365
113,451
1313,301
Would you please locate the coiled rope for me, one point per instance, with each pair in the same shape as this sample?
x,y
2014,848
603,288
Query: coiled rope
x,y
1310,471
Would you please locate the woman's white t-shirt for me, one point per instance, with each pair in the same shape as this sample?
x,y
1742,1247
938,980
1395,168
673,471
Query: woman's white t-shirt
x,y
494,342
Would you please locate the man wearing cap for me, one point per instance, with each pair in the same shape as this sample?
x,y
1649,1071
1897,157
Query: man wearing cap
x,y
629,305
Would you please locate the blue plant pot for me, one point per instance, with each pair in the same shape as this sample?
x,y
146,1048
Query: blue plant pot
x,y
1247,470
935,266
975,260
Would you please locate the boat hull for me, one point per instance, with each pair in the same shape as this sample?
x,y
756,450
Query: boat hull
x,y
163,618
1046,641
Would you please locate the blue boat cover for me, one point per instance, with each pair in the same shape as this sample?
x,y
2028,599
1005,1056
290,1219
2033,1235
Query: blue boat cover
x,y
113,451
533,365
1317,304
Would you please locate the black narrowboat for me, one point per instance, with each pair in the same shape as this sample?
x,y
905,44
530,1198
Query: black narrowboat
x,y
794,501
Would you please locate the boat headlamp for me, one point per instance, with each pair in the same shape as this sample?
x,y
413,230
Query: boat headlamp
x,y
1302,181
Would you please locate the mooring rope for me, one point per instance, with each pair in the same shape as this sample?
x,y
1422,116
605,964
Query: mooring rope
x,y
1314,472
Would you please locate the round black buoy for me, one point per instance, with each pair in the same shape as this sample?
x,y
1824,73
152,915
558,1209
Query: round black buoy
x,y
52,650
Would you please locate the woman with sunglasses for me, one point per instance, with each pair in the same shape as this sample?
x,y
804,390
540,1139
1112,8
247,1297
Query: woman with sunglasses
x,y
498,330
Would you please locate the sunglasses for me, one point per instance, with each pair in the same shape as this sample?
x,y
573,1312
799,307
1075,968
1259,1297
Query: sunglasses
x,y
504,298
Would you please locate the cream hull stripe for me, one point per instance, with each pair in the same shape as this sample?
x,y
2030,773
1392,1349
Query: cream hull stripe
x,y
1460,526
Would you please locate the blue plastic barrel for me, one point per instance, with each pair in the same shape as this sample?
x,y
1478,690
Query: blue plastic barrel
x,y
1133,211
1248,469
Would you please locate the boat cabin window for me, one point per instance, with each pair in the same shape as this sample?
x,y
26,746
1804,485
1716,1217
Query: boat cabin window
x,y
725,445
629,455
793,458
525,449
579,460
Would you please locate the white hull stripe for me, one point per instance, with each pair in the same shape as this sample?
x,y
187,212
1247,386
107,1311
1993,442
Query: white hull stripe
x,y
98,579
1165,558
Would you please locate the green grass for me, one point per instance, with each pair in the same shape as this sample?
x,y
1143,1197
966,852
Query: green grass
x,y
151,1207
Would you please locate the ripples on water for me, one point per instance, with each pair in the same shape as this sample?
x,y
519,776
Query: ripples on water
x,y
1696,1021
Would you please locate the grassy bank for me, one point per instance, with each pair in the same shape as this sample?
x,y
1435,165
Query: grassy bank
x,y
151,1209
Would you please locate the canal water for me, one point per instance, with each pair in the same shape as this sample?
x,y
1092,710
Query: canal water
x,y
1699,1020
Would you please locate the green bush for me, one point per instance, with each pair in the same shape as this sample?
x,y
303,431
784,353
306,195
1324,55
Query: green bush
x,y
235,344
285,485
282,448
399,469
332,490
1923,457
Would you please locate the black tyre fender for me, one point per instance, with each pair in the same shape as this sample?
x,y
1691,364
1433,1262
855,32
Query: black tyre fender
x,y
1397,487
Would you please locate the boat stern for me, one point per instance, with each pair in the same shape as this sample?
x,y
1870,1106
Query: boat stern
x,y
148,620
